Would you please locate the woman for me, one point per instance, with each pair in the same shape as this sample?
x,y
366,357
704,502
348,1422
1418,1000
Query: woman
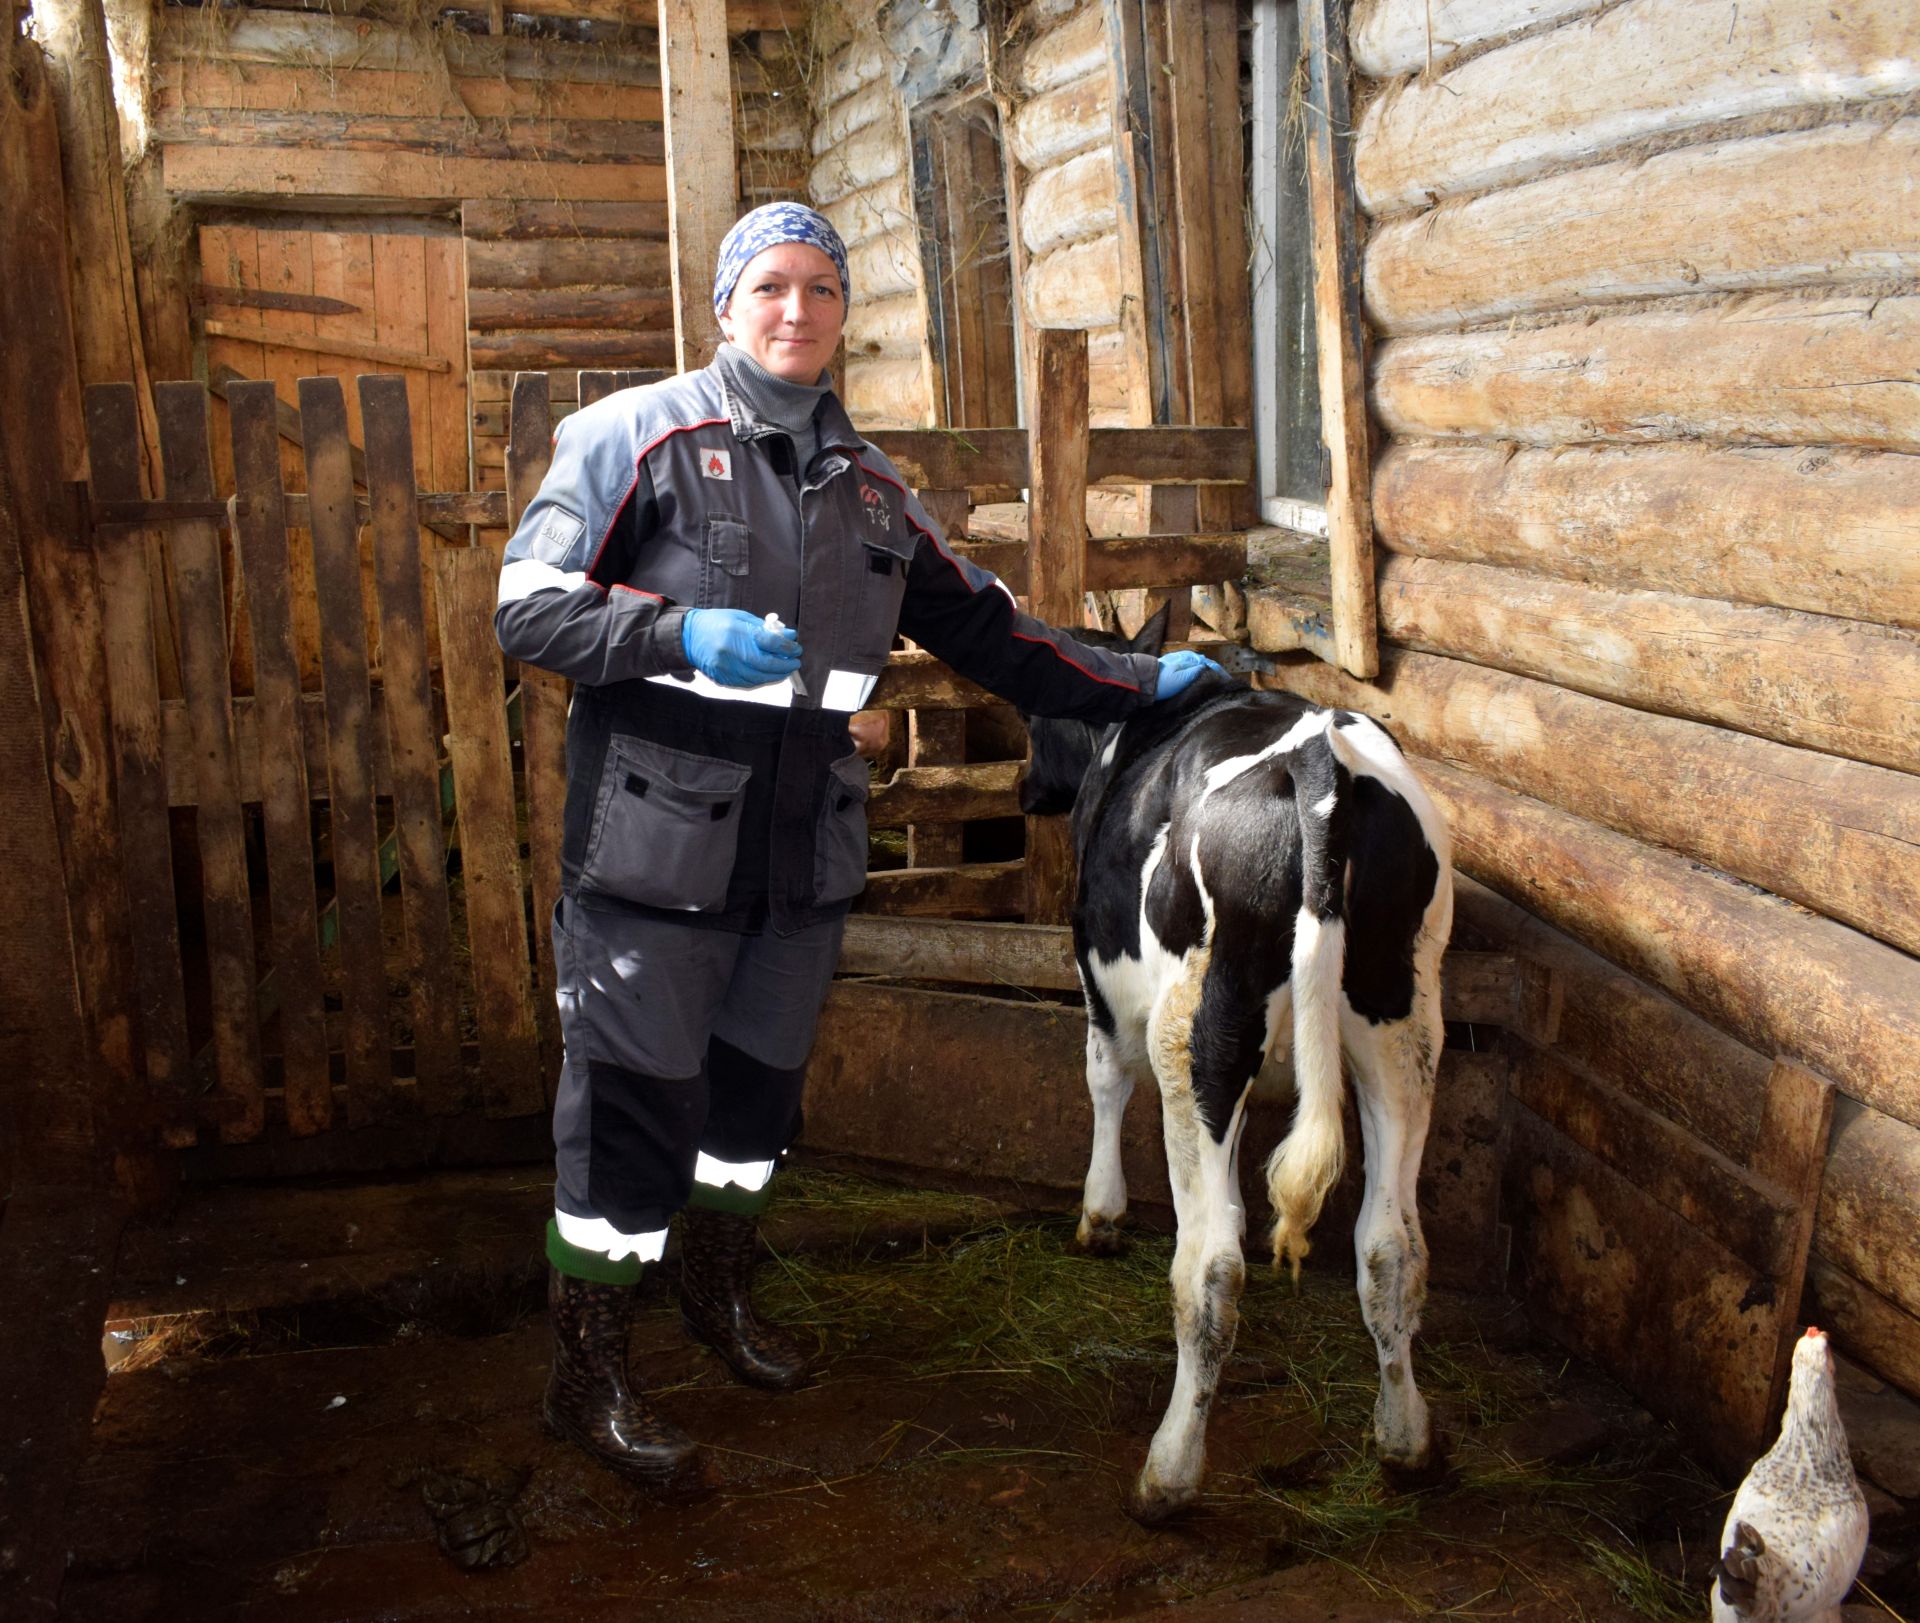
x,y
721,563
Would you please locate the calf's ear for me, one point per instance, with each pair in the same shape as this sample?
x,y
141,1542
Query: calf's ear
x,y
1152,636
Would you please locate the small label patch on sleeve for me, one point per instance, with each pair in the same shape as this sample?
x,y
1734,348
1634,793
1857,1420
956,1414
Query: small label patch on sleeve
x,y
717,464
558,533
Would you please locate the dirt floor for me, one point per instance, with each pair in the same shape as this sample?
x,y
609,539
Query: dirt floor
x,y
307,1373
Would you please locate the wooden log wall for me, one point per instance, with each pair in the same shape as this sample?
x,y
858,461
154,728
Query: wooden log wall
x,y
1645,284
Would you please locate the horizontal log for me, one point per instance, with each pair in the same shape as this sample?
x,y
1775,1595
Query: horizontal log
x,y
1835,207
1629,1034
1768,369
1780,980
318,42
565,140
1692,1180
498,218
1070,50
856,64
952,458
550,262
252,171
946,794
889,391
1828,532
625,308
1280,620
763,124
851,114
975,890
866,158
563,386
1870,1203
1390,37
1838,686
1838,836
1076,286
918,681
1870,1328
1037,956
1645,68
1069,203
886,326
1067,119
251,86
885,206
574,347
885,265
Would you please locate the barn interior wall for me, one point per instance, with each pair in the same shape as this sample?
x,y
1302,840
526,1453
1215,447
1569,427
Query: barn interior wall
x,y
1642,285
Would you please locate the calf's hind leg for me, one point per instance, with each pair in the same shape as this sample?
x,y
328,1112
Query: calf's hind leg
x,y
1110,1077
1393,1088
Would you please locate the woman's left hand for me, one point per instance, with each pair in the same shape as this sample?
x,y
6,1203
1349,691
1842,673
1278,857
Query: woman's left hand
x,y
1179,671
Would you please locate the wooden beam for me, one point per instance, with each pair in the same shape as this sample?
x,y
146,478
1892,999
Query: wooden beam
x,y
702,191
1792,1152
938,794
1057,566
1340,336
243,171
974,890
360,349
940,458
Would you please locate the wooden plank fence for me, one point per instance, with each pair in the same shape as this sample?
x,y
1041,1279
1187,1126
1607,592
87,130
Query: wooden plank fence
x,y
397,962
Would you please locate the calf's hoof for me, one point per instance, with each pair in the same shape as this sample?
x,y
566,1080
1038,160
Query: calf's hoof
x,y
1414,1473
1099,1236
1154,1504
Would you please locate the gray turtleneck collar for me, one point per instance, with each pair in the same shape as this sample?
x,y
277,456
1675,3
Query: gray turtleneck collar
x,y
792,406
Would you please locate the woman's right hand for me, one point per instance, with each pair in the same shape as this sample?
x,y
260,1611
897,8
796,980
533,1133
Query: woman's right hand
x,y
737,649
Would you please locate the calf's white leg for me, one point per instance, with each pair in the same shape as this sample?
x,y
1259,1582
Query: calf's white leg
x,y
1393,1087
1110,1077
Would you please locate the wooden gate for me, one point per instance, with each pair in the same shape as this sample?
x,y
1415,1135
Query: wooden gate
x,y
340,880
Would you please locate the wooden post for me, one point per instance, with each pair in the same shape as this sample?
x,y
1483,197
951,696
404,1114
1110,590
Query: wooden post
x,y
1341,336
938,737
1791,1151
1057,567
543,709
696,90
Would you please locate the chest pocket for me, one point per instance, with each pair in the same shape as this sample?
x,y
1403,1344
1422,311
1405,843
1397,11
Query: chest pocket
x,y
724,563
875,605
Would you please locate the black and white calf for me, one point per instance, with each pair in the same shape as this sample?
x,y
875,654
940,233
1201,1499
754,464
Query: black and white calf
x,y
1245,857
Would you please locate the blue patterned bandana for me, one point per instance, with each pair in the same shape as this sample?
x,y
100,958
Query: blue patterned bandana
x,y
766,227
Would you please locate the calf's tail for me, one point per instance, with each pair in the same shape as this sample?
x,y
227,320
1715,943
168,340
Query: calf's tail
x,y
1306,1164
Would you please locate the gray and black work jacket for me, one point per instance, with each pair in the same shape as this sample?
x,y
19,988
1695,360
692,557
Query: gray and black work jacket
x,y
727,806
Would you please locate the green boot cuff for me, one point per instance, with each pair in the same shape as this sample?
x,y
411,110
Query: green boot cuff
x,y
594,1266
729,1198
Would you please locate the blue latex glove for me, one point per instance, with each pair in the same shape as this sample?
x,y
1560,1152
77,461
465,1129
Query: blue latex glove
x,y
1179,671
737,649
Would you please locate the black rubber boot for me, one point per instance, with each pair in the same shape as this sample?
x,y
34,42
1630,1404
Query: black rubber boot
x,y
588,1400
716,1273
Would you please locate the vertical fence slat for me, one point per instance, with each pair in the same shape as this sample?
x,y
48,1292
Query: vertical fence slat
x,y
260,534
343,642
597,384
543,706
113,452
1057,566
466,588
938,737
227,904
394,504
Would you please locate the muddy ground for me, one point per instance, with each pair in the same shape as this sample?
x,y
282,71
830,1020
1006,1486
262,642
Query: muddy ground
x,y
306,1372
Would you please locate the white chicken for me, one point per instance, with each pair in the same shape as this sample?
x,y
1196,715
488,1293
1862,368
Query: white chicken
x,y
1798,1526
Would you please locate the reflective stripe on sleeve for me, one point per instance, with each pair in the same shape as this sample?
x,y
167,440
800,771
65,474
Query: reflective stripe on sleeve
x,y
525,576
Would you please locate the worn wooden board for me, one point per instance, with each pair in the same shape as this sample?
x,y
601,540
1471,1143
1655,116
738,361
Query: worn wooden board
x,y
543,140
569,347
1838,836
1843,687
973,890
702,188
915,681
284,787
1768,369
351,822
1782,980
226,904
544,698
182,85
1823,530
159,999
412,741
598,259
495,884
1405,36
1834,207
1643,69
933,794
1057,566
227,172
936,738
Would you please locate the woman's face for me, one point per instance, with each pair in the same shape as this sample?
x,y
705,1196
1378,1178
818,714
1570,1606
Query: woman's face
x,y
786,311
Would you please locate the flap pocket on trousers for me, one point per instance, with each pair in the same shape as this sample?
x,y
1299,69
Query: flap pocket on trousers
x,y
666,826
840,841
